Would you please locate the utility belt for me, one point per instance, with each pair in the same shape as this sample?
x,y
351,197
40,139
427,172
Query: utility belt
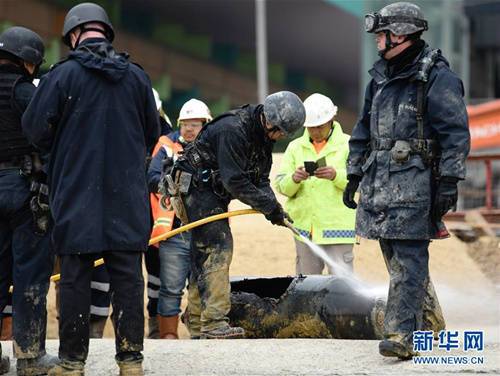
x,y
30,167
10,165
401,150
22,163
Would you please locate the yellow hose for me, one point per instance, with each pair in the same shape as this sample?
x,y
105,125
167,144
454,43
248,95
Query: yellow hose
x,y
169,234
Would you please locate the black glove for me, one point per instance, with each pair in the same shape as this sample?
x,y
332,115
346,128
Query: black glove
x,y
278,216
446,197
350,190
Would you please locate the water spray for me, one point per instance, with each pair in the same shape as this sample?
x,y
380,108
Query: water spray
x,y
340,270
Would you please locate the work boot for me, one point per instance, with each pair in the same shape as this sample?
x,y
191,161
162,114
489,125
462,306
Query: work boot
x,y
68,368
225,332
168,326
399,349
96,326
154,329
4,364
36,366
130,364
6,333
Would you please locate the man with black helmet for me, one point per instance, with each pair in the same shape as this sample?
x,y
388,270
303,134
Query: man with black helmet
x,y
26,259
96,113
408,151
230,159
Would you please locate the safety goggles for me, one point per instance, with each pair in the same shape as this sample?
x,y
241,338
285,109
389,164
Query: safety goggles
x,y
375,22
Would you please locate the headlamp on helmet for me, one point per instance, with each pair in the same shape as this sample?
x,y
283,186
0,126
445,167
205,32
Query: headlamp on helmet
x,y
371,22
375,23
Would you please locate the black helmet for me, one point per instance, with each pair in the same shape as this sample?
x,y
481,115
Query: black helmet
x,y
84,13
285,111
399,18
23,43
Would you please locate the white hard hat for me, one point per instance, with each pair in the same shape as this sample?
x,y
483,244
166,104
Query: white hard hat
x,y
194,109
319,110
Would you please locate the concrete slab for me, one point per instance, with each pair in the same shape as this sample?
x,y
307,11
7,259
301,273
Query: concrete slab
x,y
274,357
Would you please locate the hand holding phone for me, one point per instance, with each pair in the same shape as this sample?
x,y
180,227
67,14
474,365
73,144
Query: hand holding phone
x,y
310,167
299,175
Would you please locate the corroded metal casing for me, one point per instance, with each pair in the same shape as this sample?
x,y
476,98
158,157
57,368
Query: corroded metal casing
x,y
306,307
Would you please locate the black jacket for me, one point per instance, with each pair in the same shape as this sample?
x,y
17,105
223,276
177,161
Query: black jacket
x,y
96,115
241,153
396,198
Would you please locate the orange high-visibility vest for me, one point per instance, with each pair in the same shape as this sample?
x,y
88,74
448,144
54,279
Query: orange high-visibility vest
x,y
163,217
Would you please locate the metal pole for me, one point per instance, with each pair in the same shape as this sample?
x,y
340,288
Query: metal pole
x,y
261,47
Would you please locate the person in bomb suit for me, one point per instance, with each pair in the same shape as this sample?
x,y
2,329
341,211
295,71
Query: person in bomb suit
x,y
26,258
230,159
407,154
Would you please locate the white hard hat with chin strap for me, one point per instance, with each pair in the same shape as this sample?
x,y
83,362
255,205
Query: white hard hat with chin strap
x,y
194,109
319,110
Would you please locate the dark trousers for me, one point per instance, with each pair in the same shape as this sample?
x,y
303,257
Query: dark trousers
x,y
26,261
127,299
152,261
100,298
408,264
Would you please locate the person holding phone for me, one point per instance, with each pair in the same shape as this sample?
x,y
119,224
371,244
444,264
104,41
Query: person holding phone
x,y
313,177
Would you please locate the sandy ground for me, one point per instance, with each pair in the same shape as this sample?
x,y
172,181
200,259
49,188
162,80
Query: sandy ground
x,y
470,300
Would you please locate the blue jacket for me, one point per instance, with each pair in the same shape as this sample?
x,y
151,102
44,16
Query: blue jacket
x,y
396,198
96,115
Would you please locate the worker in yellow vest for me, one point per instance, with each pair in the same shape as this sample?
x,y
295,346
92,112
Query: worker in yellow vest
x,y
174,252
313,178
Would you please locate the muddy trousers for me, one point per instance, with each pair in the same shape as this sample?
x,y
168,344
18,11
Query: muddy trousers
x,y
26,261
209,299
412,302
127,299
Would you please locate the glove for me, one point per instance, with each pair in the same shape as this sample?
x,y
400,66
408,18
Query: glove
x,y
278,216
446,197
350,190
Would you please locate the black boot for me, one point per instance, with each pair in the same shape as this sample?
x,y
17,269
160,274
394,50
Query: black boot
x,y
397,349
36,366
225,332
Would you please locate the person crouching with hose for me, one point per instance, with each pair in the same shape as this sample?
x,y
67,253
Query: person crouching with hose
x,y
230,159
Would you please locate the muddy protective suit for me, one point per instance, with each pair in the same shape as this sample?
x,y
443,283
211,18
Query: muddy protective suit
x,y
399,156
231,158
26,259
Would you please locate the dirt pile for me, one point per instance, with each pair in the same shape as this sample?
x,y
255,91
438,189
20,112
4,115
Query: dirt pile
x,y
486,253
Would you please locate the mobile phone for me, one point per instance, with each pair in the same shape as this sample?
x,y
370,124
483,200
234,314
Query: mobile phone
x,y
321,162
310,167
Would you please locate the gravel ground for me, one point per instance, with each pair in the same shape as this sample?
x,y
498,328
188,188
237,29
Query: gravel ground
x,y
275,357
